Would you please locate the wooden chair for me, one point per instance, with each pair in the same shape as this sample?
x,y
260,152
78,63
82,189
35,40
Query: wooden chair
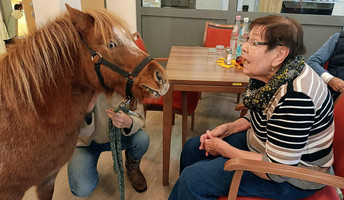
x,y
332,181
241,107
218,34
157,103
139,42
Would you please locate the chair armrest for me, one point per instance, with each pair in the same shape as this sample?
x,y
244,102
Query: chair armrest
x,y
284,170
161,59
240,106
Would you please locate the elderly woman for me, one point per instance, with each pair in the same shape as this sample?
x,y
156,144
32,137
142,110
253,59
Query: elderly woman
x,y
290,121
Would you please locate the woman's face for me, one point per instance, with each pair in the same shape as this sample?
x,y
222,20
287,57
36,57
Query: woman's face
x,y
259,62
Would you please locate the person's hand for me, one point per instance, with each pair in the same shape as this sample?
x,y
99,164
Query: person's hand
x,y
119,119
336,84
213,146
218,132
93,102
207,135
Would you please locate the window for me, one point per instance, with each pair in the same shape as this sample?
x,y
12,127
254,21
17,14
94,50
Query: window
x,y
188,4
315,7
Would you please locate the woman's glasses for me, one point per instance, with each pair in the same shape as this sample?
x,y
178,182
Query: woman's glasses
x,y
255,43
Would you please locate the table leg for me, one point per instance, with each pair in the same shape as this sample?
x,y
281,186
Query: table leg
x,y
167,130
184,117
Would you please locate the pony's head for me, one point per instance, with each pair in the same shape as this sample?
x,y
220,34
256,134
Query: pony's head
x,y
107,39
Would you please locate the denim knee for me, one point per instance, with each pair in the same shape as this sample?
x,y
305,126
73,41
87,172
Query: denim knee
x,y
189,152
137,144
191,145
83,189
141,139
187,187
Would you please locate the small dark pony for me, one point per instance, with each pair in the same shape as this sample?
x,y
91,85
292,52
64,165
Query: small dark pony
x,y
47,81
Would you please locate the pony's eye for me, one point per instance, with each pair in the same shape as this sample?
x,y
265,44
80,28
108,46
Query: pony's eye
x,y
112,45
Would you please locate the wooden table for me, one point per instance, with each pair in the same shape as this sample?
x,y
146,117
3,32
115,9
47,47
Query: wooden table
x,y
188,69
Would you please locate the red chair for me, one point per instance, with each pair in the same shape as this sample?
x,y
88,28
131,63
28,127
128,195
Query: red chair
x,y
218,34
332,181
157,103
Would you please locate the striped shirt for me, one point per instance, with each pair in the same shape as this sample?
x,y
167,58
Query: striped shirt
x,y
296,128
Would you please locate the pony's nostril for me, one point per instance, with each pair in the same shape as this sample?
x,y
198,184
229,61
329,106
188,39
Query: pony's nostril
x,y
159,77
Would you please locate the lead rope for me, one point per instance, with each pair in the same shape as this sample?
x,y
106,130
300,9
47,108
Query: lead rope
x,y
115,143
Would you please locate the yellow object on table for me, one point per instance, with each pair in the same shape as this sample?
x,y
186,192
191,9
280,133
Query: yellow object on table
x,y
221,62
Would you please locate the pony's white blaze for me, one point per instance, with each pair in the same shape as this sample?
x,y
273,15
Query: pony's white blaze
x,y
123,39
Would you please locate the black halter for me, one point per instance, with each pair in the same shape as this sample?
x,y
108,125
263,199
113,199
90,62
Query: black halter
x,y
130,76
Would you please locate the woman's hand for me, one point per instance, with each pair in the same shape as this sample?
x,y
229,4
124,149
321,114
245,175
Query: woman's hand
x,y
219,132
214,146
336,84
119,119
207,135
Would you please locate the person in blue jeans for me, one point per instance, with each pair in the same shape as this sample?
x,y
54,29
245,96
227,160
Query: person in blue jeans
x,y
333,53
289,121
94,139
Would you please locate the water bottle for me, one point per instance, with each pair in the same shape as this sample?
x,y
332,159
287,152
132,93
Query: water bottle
x,y
235,35
244,34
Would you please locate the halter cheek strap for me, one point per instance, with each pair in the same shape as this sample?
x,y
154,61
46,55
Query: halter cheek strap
x,y
130,76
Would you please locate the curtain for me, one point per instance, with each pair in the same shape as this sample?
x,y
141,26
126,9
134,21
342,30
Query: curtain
x,y
3,36
271,6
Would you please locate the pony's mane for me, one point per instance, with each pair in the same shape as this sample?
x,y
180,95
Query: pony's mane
x,y
44,55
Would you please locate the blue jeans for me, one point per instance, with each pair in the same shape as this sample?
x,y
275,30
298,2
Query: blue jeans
x,y
82,168
203,177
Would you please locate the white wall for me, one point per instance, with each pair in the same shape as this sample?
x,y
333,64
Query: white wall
x,y
45,10
73,3
338,8
0,15
126,9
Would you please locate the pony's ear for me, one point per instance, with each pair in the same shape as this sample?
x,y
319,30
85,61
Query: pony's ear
x,y
80,20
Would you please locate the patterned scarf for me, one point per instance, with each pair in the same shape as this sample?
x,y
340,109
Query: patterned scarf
x,y
258,94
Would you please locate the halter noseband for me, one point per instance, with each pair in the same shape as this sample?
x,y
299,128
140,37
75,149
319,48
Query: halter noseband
x,y
130,76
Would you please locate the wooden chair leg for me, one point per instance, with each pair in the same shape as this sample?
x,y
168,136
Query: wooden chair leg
x,y
192,121
173,118
184,118
238,97
233,191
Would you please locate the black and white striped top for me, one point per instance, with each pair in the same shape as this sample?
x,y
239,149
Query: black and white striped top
x,y
296,128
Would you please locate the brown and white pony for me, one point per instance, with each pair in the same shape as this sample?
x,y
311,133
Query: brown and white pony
x,y
47,81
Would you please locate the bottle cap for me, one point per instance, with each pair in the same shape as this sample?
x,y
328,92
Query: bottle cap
x,y
238,17
246,19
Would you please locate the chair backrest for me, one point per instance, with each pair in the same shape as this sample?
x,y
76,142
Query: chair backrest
x,y
338,139
139,41
217,34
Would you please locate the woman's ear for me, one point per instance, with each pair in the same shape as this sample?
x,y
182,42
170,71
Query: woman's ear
x,y
281,53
